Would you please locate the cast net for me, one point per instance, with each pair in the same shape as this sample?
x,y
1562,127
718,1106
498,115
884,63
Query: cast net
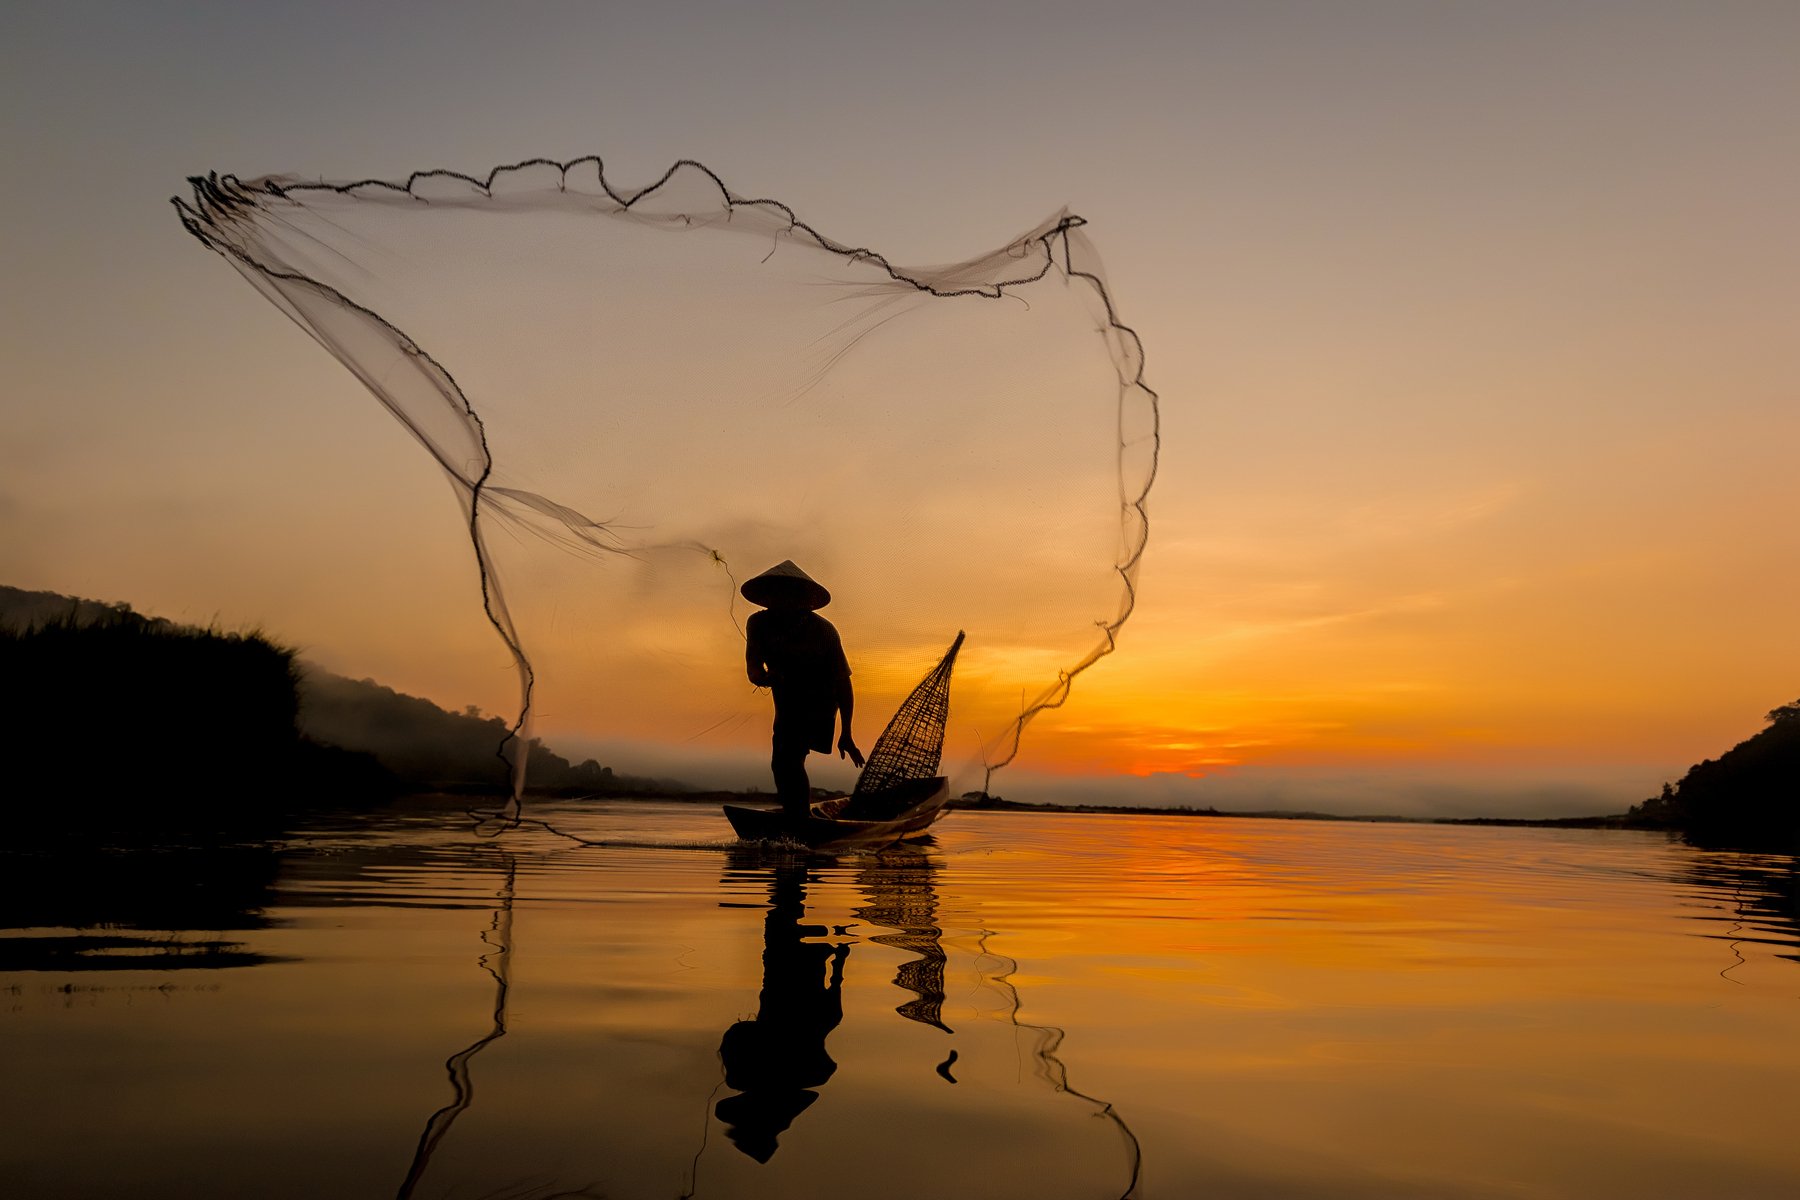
x,y
641,397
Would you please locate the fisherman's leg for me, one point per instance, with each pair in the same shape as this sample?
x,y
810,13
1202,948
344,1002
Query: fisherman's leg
x,y
791,784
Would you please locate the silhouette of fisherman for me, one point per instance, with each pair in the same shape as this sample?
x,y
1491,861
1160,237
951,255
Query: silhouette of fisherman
x,y
776,1060
797,654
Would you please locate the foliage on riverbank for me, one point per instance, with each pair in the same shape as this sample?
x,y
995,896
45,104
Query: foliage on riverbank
x,y
142,725
153,727
1748,796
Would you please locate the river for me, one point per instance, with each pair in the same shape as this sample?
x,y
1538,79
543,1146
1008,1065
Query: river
x,y
1042,1006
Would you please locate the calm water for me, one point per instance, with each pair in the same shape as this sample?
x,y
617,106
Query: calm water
x,y
1035,1006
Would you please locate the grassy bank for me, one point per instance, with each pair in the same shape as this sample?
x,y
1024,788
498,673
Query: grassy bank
x,y
127,725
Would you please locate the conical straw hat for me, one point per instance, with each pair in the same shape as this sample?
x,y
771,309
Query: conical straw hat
x,y
785,585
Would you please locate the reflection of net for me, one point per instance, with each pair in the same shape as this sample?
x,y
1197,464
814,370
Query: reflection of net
x,y
912,745
902,897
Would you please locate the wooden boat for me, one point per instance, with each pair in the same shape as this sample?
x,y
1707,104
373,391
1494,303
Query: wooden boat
x,y
872,820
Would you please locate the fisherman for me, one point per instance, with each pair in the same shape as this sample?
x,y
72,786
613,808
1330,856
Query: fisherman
x,y
792,650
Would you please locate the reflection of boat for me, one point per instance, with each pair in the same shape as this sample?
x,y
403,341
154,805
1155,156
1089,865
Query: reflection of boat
x,y
872,819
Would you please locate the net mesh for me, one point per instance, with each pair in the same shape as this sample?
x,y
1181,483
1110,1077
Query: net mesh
x,y
637,393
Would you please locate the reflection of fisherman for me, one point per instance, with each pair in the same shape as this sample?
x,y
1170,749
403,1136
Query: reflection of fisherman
x,y
795,652
775,1060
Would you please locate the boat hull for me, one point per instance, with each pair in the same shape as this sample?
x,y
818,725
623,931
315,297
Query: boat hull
x,y
824,828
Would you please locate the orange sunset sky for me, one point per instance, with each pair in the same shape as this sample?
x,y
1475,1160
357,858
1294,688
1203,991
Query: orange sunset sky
x,y
1474,328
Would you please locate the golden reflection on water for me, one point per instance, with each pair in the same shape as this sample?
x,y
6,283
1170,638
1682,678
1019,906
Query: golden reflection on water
x,y
1044,1006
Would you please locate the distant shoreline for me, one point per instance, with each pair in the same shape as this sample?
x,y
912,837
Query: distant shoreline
x,y
1619,821
1613,821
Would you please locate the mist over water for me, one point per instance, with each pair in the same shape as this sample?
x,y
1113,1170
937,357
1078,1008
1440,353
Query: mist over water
x,y
1041,1006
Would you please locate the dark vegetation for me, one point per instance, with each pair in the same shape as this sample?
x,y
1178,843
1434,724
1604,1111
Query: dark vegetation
x,y
158,730
1748,797
152,727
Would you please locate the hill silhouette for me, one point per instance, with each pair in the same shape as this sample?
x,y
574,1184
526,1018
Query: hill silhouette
x,y
114,704
431,748
1749,796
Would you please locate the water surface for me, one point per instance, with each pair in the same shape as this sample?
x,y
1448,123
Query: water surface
x,y
1034,1006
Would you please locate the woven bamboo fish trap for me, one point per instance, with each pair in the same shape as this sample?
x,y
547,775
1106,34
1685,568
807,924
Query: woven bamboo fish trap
x,y
912,745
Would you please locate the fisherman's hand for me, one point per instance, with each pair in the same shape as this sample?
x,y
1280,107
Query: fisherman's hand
x,y
847,748
759,675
